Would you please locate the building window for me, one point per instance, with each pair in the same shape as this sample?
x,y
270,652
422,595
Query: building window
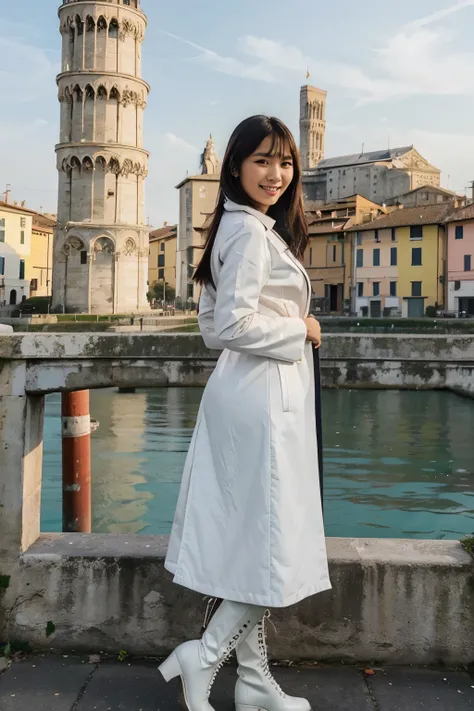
x,y
360,288
359,238
376,288
2,265
161,260
467,262
457,285
416,288
459,232
83,256
416,257
394,234
310,255
376,258
22,268
126,2
393,288
334,253
22,237
22,222
190,290
360,258
393,256
416,232
2,229
162,247
161,273
376,236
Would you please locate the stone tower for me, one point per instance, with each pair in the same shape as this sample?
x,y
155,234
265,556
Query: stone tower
x,y
209,160
101,242
312,126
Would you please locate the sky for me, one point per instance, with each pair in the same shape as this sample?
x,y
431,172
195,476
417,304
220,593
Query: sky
x,y
396,73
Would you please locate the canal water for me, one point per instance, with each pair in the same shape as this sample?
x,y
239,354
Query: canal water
x,y
397,464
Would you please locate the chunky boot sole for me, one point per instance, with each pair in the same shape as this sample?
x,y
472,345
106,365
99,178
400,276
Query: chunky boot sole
x,y
170,668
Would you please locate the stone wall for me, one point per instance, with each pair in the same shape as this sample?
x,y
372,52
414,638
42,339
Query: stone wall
x,y
392,601
397,602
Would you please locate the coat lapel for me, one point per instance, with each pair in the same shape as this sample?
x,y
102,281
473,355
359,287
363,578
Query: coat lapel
x,y
277,241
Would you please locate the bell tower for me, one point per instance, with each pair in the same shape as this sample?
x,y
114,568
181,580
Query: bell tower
x,y
312,126
101,242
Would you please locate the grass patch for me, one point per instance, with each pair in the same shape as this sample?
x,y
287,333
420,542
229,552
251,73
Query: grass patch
x,y
468,545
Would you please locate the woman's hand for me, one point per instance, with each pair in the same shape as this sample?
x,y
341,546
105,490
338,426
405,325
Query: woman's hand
x,y
313,330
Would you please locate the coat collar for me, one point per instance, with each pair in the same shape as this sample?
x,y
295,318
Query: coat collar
x,y
278,242
267,221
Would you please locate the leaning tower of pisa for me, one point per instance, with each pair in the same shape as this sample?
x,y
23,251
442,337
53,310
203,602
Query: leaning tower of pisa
x,y
101,241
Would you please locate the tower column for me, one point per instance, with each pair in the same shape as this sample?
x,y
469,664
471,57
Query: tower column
x,y
101,159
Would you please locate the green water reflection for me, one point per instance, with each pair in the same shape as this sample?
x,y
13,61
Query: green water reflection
x,y
397,464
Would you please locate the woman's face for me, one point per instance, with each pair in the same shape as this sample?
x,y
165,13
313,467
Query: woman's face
x,y
265,177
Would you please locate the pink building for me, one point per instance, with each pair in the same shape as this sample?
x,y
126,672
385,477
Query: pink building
x,y
461,260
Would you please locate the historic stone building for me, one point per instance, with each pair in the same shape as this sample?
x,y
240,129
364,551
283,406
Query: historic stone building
x,y
312,126
197,200
379,176
101,241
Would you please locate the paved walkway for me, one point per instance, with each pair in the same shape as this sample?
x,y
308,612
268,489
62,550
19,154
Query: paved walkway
x,y
43,683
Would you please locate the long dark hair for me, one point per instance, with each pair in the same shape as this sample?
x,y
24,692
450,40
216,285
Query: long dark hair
x,y
288,212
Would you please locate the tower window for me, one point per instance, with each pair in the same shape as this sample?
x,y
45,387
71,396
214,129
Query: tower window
x,y
83,257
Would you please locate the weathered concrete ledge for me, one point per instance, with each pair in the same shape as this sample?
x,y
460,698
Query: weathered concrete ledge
x,y
393,601
52,362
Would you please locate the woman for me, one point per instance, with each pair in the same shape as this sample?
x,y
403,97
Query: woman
x,y
248,527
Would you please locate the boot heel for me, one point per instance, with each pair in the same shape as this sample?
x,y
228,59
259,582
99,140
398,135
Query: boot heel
x,y
170,667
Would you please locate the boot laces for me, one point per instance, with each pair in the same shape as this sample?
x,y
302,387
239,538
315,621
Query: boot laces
x,y
230,648
262,643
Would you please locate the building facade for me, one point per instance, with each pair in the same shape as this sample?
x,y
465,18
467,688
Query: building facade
x,y
400,263
15,247
197,200
312,126
162,258
426,195
39,266
460,226
101,240
329,256
379,176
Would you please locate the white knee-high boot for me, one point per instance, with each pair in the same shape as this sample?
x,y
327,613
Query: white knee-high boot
x,y
198,662
256,689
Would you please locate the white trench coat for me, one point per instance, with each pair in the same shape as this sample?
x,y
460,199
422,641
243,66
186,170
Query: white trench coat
x,y
248,525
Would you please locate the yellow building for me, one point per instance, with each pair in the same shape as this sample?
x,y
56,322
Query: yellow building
x,y
328,257
15,247
39,264
162,256
400,262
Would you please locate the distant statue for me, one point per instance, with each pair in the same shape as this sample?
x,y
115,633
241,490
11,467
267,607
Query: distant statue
x,y
209,160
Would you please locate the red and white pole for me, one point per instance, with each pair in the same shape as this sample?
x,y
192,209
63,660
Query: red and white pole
x,y
76,441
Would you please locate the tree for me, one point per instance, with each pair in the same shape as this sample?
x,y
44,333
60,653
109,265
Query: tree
x,y
161,290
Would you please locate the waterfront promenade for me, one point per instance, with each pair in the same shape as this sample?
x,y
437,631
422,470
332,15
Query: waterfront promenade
x,y
42,683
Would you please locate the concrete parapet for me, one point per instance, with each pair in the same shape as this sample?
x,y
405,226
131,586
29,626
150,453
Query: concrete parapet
x,y
393,601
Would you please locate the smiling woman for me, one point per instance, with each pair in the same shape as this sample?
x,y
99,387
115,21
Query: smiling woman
x,y
248,527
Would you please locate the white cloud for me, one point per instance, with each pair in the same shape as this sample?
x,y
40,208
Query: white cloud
x,y
179,143
441,14
416,60
30,74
